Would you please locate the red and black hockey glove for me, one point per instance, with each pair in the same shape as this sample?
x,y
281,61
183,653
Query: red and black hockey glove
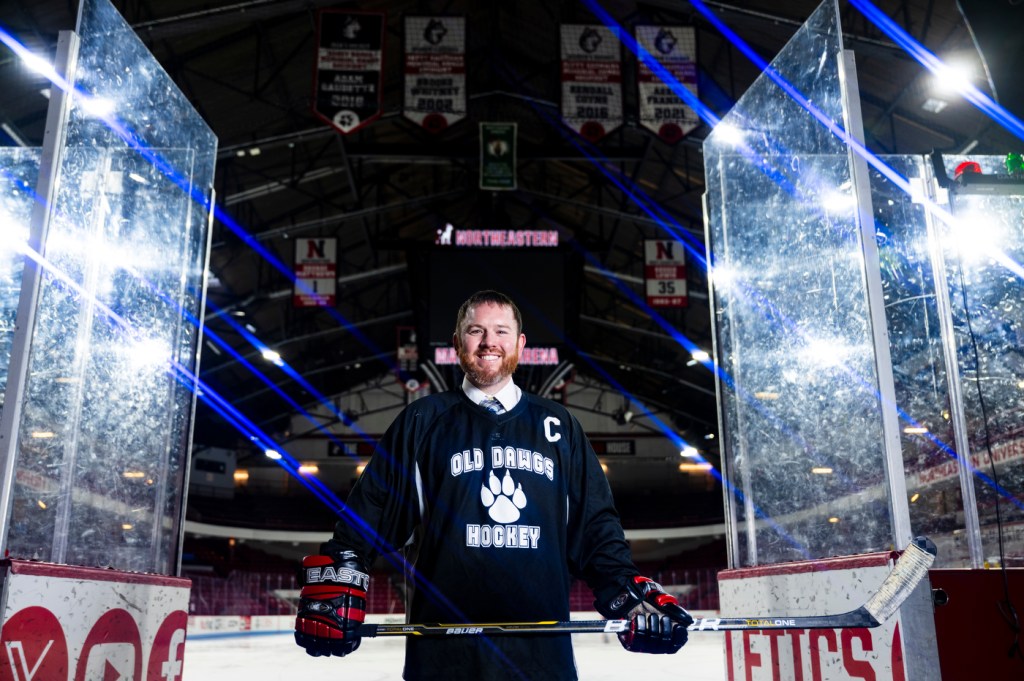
x,y
332,604
657,622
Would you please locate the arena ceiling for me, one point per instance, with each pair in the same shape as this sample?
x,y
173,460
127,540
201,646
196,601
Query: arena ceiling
x,y
384,190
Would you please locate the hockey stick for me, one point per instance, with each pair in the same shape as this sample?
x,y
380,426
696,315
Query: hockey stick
x,y
910,569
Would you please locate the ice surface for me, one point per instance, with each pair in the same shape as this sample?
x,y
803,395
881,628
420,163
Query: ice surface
x,y
599,657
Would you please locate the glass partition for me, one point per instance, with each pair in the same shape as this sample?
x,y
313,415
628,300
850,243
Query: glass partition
x,y
921,378
19,170
802,420
104,433
981,253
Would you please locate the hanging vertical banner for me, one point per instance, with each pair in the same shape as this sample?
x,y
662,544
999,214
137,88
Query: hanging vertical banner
x,y
661,110
497,156
435,71
316,272
347,84
665,273
408,370
591,80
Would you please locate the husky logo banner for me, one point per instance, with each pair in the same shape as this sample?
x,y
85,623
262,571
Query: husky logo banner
x,y
591,80
662,109
435,71
350,47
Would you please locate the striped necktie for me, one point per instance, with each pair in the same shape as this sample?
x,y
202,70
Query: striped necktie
x,y
492,405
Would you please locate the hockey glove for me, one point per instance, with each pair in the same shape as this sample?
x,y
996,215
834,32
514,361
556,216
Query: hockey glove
x,y
657,622
332,604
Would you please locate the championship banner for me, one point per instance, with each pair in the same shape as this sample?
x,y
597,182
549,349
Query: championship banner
x,y
591,80
662,110
497,156
665,273
347,84
316,272
435,71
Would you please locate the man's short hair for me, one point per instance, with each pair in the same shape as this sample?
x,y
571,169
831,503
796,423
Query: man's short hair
x,y
488,296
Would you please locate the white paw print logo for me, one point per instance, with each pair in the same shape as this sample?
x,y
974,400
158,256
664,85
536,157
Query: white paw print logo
x,y
502,499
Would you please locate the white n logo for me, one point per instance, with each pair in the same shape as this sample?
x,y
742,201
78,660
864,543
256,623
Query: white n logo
x,y
13,646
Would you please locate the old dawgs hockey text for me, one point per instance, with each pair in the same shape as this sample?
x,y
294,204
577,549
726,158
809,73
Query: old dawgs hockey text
x,y
503,536
502,504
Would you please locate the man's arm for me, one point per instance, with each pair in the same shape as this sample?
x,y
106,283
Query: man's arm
x,y
600,554
380,514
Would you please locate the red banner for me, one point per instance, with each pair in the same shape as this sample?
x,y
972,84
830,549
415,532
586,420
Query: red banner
x,y
316,272
435,71
665,273
662,109
350,48
591,80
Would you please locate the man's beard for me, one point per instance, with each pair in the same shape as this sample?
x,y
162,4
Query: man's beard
x,y
483,378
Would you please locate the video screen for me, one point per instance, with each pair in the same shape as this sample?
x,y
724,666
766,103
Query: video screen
x,y
536,279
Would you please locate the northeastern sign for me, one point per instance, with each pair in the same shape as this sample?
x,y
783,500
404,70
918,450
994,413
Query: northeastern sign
x,y
350,46
496,238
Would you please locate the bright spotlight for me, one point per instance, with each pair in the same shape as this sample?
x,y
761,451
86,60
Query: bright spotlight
x,y
953,77
976,236
729,134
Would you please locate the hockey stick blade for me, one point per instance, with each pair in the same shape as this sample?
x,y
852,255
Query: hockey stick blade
x,y
911,568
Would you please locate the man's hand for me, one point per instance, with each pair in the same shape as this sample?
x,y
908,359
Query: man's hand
x,y
332,604
657,622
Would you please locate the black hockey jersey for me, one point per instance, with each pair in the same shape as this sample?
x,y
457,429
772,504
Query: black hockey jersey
x,y
505,509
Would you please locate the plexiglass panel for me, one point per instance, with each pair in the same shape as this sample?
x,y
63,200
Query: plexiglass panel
x,y
922,383
105,424
802,421
19,170
983,254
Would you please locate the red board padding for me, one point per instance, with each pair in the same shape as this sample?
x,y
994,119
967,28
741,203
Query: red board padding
x,y
970,630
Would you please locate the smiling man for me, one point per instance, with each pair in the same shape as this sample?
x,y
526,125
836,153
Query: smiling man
x,y
504,502
488,337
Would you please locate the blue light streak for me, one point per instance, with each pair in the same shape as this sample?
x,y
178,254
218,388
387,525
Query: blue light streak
x,y
249,429
928,60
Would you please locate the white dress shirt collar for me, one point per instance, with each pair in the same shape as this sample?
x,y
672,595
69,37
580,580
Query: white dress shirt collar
x,y
509,396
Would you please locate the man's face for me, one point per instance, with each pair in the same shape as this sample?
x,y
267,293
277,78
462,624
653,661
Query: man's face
x,y
489,344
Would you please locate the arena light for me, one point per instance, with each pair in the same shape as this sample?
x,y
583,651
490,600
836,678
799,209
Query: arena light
x,y
689,452
272,454
309,469
952,77
698,356
241,476
694,467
